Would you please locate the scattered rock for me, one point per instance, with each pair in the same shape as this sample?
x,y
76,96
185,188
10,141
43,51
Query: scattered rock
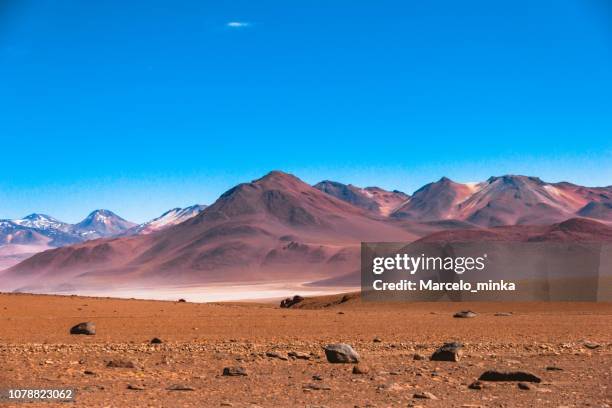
x,y
274,354
465,314
591,345
89,372
503,314
418,357
341,353
316,387
377,340
476,385
493,375
87,328
425,395
298,355
317,377
448,352
180,387
361,369
120,364
524,386
287,303
553,368
156,340
135,387
234,371
182,300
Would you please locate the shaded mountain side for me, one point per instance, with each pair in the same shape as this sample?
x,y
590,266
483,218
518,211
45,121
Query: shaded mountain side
x,y
373,199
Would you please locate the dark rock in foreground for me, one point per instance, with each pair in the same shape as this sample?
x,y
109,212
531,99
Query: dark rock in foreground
x,y
341,353
156,340
234,371
286,303
493,375
120,364
87,328
465,314
448,352
425,395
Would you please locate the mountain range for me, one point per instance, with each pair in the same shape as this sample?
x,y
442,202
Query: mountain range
x,y
278,228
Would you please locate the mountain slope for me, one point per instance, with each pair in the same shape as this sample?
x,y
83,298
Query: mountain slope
x,y
169,218
102,223
373,199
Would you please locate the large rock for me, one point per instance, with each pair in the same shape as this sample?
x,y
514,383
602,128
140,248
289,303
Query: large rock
x,y
234,371
341,353
87,328
493,375
448,352
465,314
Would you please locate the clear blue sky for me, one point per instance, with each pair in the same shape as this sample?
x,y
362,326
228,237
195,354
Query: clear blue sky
x,y
142,106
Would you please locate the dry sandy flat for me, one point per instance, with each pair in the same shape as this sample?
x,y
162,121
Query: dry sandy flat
x,y
199,340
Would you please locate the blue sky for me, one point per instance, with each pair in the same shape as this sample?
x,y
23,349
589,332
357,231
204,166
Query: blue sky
x,y
142,106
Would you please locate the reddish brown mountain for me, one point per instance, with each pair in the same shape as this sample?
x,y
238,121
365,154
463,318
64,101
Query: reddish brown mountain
x,y
274,228
374,199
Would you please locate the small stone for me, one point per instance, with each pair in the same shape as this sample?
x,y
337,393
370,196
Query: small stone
x,y
465,314
156,340
89,372
377,340
135,387
289,302
418,357
476,385
298,355
448,352
316,387
120,364
553,368
425,395
274,354
591,345
182,300
360,369
522,376
503,314
317,377
87,328
180,387
341,353
234,371
524,386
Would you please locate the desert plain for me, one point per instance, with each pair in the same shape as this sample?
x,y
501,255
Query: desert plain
x,y
566,345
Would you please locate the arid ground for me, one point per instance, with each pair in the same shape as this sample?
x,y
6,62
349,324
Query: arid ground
x,y
567,345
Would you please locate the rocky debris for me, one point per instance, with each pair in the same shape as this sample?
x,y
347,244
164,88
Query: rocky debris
x,y
476,385
135,387
182,300
180,387
448,352
493,375
316,387
503,314
87,328
524,386
418,357
341,353
591,345
361,369
234,371
89,372
553,368
274,354
317,377
289,302
425,395
156,340
299,356
465,314
377,340
119,363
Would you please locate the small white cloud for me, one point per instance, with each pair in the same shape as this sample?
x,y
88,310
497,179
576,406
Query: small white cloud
x,y
238,24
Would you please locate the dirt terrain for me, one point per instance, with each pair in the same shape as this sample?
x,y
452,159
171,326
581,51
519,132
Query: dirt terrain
x,y
567,345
